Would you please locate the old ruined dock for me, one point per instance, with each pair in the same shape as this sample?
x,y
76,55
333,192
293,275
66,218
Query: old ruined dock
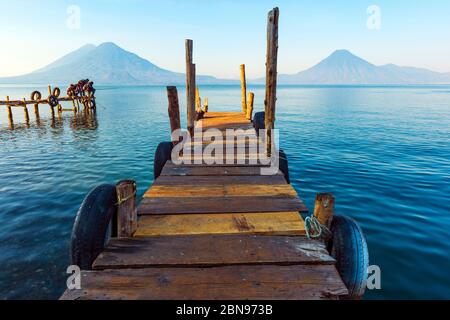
x,y
215,232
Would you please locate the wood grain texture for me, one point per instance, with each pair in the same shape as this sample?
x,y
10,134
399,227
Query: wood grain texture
x,y
227,283
126,208
190,85
224,204
173,110
211,250
282,190
279,223
243,89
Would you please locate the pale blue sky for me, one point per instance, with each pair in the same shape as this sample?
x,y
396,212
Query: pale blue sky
x,y
227,33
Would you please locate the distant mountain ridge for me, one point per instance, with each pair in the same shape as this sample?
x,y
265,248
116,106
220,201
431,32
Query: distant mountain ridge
x,y
343,67
106,64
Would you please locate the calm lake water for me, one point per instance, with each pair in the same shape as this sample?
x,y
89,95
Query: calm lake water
x,y
383,151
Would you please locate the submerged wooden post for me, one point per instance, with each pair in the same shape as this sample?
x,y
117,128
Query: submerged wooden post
x,y
174,111
126,208
324,208
49,94
243,89
190,87
25,110
36,110
10,114
271,76
251,97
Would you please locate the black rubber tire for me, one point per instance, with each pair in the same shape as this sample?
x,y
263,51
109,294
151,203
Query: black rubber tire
x,y
36,96
163,153
56,92
349,247
258,121
53,101
284,165
92,222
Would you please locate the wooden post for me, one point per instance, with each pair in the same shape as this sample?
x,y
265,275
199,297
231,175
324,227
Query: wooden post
x,y
49,94
126,208
205,105
198,101
10,114
36,110
174,111
324,208
190,87
25,110
243,89
271,76
74,106
251,97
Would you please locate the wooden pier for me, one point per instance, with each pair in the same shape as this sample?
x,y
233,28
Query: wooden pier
x,y
215,232
221,229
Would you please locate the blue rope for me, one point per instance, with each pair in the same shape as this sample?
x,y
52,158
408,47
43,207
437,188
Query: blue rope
x,y
314,229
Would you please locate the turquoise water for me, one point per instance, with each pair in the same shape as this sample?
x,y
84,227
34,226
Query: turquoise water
x,y
383,151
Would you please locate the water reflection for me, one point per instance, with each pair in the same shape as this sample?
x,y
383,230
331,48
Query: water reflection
x,y
85,120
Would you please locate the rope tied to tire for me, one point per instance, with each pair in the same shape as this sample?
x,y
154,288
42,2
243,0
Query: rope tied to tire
x,y
315,230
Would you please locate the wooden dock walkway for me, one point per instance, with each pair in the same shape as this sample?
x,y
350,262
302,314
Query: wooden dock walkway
x,y
215,232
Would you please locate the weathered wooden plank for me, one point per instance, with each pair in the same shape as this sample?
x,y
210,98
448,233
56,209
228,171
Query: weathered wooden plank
x,y
225,204
279,223
211,250
218,180
282,190
181,170
218,283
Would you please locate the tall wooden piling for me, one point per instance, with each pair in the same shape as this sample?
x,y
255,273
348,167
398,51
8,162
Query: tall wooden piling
x,y
243,89
174,111
126,208
190,87
250,99
271,76
324,208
